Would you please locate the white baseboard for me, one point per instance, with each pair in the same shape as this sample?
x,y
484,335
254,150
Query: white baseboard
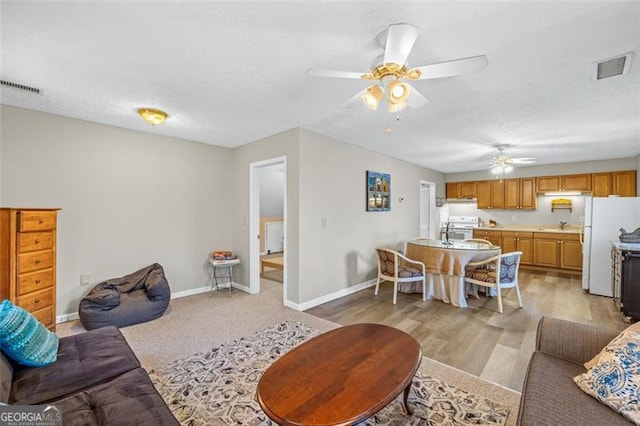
x,y
191,292
67,317
329,297
289,304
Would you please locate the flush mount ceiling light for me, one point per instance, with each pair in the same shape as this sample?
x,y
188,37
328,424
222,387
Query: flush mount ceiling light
x,y
153,116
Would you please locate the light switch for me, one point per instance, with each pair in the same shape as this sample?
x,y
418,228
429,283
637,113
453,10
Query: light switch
x,y
323,222
85,279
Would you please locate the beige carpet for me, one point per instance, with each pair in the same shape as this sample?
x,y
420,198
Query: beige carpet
x,y
198,323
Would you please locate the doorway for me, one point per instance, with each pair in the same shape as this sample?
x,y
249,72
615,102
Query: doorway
x,y
268,221
427,209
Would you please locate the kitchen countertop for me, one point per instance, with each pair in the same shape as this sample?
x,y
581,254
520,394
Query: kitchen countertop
x,y
626,246
571,229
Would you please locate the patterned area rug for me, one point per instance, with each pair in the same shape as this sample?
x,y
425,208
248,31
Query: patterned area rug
x,y
218,387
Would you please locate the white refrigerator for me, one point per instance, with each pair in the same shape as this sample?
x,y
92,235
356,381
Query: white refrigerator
x,y
603,218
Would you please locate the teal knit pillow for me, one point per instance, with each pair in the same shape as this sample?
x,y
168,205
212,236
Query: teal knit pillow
x,y
24,339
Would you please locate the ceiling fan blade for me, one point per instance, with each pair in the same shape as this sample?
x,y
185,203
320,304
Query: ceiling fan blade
x,y
470,65
523,160
320,72
416,99
400,40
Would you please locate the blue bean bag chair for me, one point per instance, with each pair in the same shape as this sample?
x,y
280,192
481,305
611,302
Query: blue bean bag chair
x,y
138,297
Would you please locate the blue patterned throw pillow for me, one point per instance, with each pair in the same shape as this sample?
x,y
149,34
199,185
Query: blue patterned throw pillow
x,y
24,339
615,379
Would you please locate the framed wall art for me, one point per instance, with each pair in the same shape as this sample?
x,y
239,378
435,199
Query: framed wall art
x,y
378,192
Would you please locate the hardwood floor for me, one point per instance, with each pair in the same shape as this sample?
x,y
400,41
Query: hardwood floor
x,y
478,339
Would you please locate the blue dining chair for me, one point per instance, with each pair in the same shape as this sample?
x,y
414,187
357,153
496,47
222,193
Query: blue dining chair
x,y
497,272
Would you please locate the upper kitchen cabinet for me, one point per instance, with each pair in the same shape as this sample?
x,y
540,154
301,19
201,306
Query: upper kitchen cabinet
x,y
461,190
580,183
624,183
520,194
601,184
490,194
621,183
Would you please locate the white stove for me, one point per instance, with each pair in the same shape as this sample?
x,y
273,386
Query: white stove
x,y
459,227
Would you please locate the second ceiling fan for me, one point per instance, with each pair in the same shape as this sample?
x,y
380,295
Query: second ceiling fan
x,y
392,73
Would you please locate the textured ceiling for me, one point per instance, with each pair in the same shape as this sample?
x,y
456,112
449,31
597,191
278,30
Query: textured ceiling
x,y
229,73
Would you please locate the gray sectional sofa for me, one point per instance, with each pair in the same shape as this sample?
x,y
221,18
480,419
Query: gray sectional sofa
x,y
549,395
96,380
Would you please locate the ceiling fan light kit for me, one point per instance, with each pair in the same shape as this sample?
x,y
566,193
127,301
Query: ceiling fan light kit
x,y
391,70
503,164
372,96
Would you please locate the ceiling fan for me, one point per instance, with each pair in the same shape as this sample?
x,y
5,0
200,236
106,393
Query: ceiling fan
x,y
390,72
503,163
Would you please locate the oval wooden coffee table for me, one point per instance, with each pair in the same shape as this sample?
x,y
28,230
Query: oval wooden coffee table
x,y
341,377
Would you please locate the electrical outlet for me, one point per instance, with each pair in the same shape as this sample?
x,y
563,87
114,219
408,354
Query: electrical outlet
x,y
85,279
323,222
514,218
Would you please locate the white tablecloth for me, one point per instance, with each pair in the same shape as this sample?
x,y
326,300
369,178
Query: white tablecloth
x,y
445,271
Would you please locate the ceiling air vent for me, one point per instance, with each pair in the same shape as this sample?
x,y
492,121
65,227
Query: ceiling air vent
x,y
612,67
6,83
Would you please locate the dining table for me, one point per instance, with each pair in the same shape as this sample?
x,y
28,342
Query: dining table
x,y
445,263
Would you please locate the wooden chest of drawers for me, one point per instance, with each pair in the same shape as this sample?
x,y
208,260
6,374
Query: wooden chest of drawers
x,y
28,260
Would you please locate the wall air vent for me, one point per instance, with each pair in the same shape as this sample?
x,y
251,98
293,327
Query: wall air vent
x,y
17,86
612,67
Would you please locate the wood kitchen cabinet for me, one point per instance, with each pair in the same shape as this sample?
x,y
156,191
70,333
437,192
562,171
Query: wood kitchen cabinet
x,y
519,241
28,261
557,250
581,182
490,194
461,189
520,194
621,183
601,184
624,183
495,237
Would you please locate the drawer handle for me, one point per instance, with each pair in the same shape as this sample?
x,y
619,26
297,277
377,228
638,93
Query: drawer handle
x,y
37,281
41,221
37,241
37,261
36,301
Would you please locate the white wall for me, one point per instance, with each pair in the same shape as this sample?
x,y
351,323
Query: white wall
x,y
332,186
128,198
283,144
271,190
638,174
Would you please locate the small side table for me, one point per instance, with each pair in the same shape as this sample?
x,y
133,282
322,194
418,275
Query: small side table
x,y
218,268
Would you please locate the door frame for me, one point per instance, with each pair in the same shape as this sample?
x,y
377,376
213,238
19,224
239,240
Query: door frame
x,y
432,208
254,224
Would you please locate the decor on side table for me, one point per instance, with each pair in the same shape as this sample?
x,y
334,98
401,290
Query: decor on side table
x,y
378,192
